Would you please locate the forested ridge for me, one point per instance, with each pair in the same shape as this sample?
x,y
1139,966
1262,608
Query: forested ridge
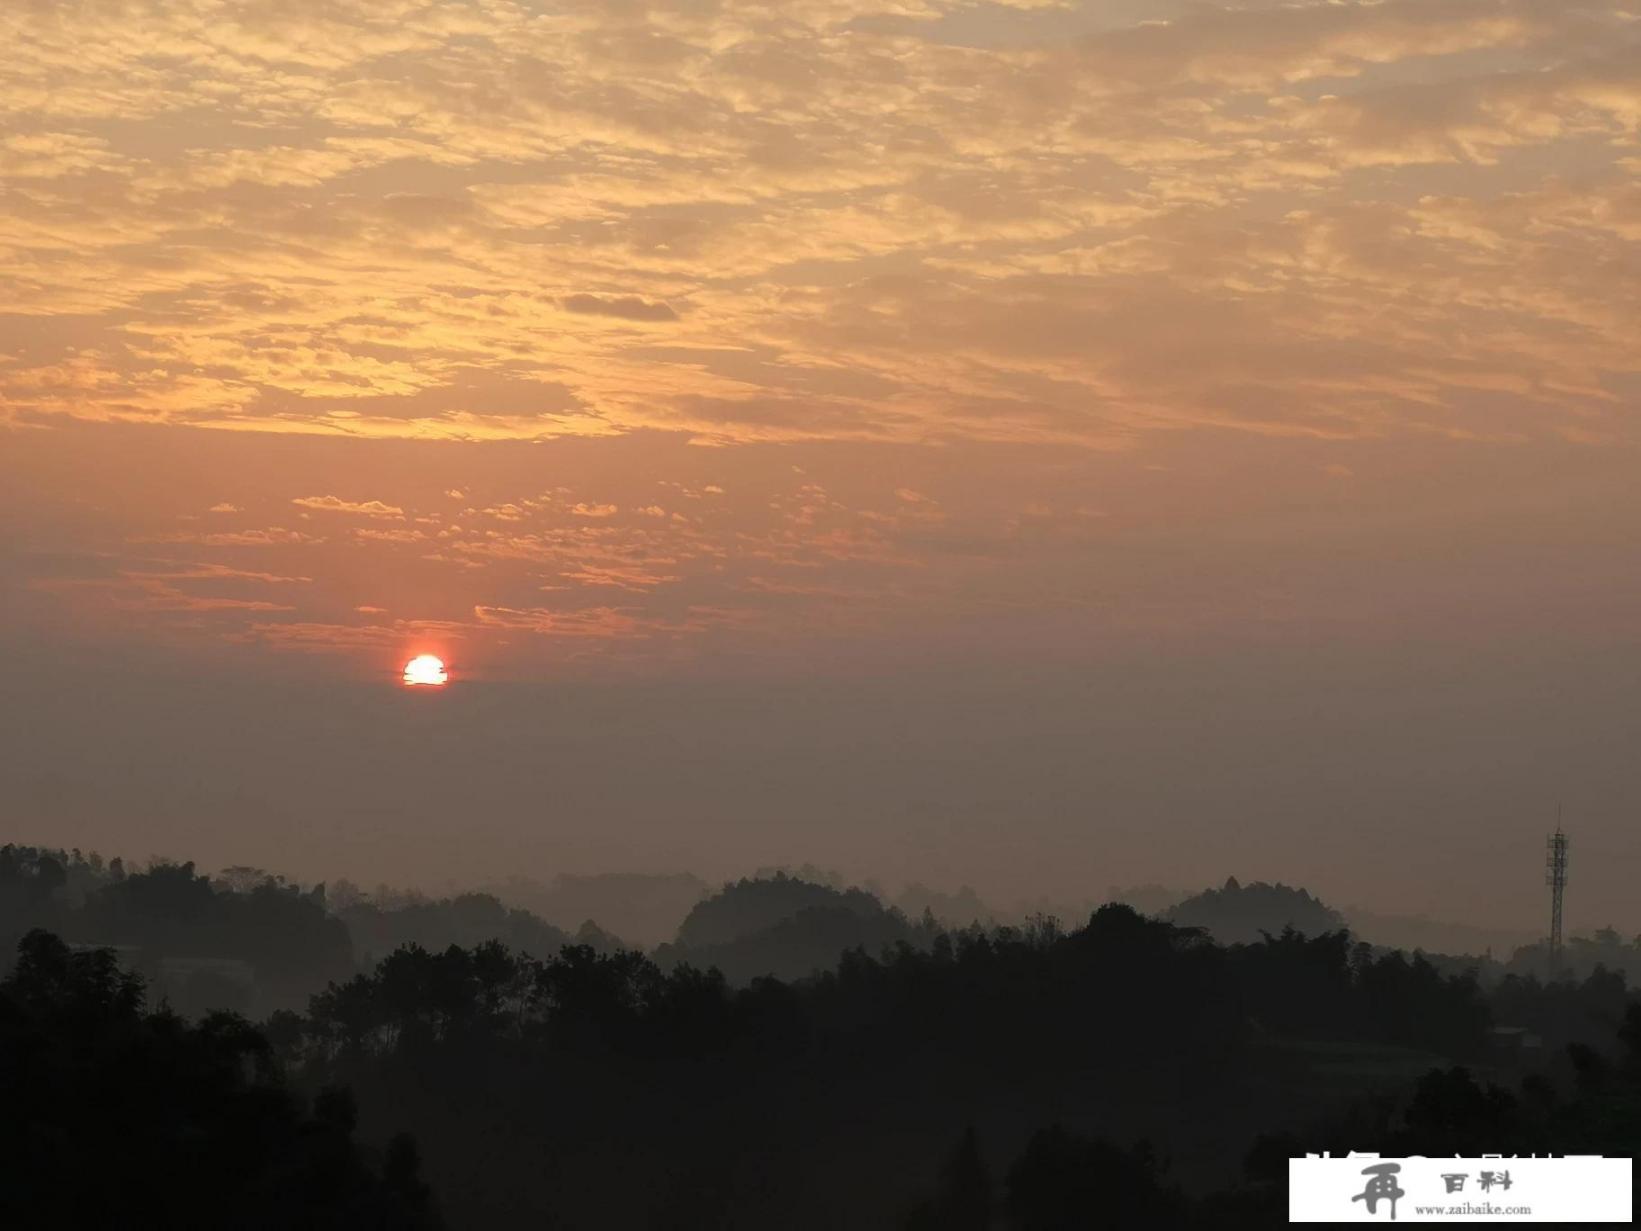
x,y
1122,1072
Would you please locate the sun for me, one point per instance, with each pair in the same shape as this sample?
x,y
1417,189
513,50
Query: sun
x,y
426,669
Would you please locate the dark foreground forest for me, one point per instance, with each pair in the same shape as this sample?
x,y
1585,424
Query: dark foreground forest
x,y
1127,1072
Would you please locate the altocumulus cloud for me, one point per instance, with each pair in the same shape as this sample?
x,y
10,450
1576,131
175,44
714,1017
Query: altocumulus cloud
x,y
361,508
625,307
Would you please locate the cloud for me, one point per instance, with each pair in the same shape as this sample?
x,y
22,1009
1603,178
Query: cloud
x,y
329,637
605,625
335,504
833,298
309,636
212,572
901,236
623,307
596,622
621,577
158,593
271,537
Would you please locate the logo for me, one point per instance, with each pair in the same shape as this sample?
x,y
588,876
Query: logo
x,y
1382,1185
1492,1188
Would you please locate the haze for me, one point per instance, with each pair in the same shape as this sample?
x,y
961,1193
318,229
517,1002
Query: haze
x,y
1039,446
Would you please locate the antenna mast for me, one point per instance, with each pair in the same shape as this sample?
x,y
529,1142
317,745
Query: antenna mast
x,y
1555,876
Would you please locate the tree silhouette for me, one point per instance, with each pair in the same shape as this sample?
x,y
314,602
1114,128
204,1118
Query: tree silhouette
x,y
1066,1182
583,1084
183,1126
964,1199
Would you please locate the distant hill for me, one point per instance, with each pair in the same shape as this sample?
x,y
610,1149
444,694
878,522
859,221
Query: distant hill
x,y
467,919
1412,932
1238,914
247,939
1604,949
642,908
750,905
1153,900
253,943
783,926
953,910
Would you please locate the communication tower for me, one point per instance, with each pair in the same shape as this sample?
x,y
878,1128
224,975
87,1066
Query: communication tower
x,y
1555,876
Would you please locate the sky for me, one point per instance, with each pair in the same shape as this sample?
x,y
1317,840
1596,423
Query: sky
x,y
1040,445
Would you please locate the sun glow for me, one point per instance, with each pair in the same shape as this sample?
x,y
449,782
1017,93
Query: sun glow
x,y
426,669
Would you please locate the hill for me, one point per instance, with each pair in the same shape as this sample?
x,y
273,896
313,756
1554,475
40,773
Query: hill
x,y
1238,914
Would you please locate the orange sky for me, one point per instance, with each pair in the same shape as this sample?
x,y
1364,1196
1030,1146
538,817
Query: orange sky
x,y
619,344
